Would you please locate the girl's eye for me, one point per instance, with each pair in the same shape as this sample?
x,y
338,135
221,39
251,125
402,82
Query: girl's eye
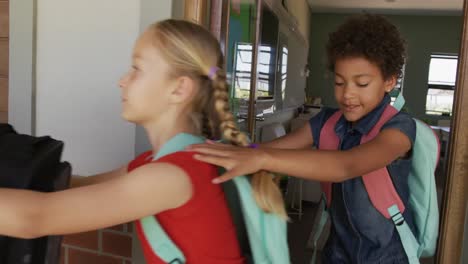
x,y
362,84
339,83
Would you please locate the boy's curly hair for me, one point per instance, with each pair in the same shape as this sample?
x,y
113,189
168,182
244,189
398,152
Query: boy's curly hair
x,y
372,37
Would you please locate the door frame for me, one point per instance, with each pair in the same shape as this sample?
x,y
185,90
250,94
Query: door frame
x,y
452,228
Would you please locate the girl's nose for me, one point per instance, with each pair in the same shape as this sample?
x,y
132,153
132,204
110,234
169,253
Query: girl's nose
x,y
123,81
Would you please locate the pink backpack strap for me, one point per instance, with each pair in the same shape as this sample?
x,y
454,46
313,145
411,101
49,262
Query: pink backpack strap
x,y
329,140
378,183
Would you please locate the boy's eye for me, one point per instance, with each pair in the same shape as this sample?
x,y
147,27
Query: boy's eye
x,y
339,83
362,84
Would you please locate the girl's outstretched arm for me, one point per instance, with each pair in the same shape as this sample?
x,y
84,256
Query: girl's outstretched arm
x,y
79,181
144,191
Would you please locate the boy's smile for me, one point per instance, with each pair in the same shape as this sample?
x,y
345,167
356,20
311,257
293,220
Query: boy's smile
x,y
359,86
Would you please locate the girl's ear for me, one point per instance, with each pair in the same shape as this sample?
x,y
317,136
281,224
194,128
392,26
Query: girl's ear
x,y
183,90
390,83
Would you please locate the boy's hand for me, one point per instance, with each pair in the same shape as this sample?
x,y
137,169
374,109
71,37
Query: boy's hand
x,y
236,160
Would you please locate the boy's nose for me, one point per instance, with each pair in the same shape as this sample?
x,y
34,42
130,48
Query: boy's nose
x,y
348,92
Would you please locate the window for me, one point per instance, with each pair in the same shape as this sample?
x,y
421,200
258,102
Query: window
x,y
441,84
398,86
284,71
242,70
266,71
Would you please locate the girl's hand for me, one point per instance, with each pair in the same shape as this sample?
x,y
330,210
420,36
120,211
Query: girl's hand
x,y
236,160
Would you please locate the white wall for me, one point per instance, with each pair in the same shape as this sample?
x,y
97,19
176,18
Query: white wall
x,y
21,65
83,47
154,11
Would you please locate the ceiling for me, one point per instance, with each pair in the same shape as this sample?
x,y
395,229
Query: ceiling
x,y
388,6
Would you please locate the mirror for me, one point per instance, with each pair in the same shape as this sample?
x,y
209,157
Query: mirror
x,y
272,64
267,55
282,79
239,57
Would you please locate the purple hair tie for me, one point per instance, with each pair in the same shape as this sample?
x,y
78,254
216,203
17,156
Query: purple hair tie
x,y
253,145
212,72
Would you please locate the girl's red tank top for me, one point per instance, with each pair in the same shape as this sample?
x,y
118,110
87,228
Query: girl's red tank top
x,y
202,228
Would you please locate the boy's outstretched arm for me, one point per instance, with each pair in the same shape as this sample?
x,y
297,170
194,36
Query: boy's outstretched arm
x,y
298,139
321,165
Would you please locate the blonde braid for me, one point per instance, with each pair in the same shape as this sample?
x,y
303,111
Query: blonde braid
x,y
266,192
209,130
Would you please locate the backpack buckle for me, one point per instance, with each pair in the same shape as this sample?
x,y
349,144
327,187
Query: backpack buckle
x,y
176,261
396,215
398,219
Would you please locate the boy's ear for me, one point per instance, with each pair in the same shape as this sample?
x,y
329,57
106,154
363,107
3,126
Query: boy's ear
x,y
182,90
390,83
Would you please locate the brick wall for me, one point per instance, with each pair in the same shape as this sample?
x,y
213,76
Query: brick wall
x,y
107,246
4,40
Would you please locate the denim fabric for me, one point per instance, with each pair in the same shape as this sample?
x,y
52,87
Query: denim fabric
x,y
360,234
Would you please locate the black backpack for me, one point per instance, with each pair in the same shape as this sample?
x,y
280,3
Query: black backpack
x,y
32,163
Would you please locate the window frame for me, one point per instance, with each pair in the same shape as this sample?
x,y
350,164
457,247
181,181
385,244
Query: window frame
x,y
448,87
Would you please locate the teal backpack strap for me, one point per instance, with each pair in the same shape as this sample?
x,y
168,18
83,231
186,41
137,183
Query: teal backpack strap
x,y
386,200
319,227
267,233
158,239
160,242
409,242
250,212
399,102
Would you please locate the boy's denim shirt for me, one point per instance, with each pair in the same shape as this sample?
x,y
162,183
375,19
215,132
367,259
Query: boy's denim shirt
x,y
360,234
